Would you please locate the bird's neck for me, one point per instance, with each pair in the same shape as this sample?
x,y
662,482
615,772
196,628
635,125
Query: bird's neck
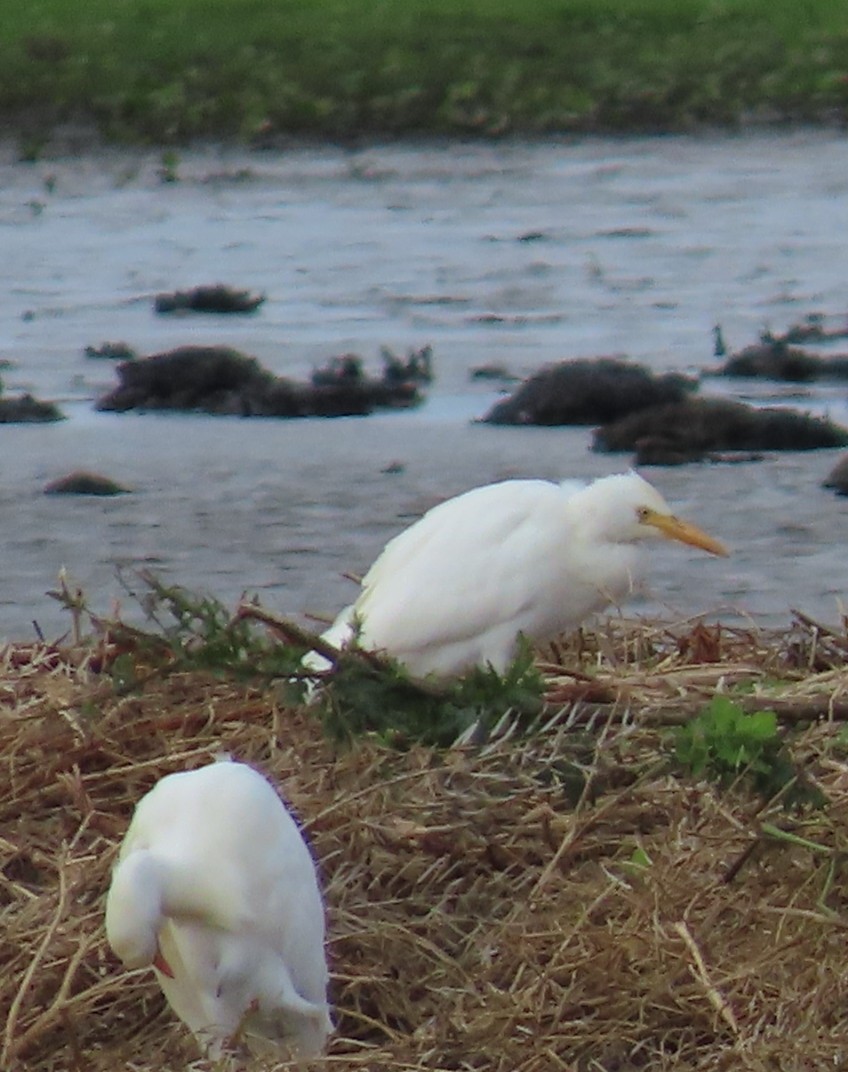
x,y
615,568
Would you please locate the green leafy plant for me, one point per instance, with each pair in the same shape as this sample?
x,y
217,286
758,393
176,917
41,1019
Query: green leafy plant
x,y
191,632
364,694
201,633
378,697
639,863
728,745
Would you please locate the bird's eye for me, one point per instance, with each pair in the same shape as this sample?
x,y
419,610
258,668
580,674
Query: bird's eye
x,y
643,513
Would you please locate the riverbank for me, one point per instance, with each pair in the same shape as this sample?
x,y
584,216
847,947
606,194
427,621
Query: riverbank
x,y
594,895
256,71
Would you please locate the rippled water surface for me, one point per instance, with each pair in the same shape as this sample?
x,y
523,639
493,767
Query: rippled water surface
x,y
510,254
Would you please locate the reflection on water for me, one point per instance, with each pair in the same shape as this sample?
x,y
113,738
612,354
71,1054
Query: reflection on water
x,y
508,254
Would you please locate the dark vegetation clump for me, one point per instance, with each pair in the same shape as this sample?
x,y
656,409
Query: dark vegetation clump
x,y
587,391
111,351
416,367
215,379
780,357
81,482
775,359
25,409
220,380
395,387
700,425
778,361
208,299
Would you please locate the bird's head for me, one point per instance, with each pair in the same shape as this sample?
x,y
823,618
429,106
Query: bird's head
x,y
633,510
659,523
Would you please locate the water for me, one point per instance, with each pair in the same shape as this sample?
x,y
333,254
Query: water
x,y
511,254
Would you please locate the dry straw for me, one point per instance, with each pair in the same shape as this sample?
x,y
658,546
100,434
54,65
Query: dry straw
x,y
563,901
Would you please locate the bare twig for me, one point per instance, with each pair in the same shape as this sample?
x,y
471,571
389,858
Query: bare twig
x,y
714,995
292,633
839,639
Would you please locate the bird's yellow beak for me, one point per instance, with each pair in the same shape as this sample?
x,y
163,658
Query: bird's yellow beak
x,y
674,529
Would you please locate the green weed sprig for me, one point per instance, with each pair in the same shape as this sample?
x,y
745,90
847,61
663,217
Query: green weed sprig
x,y
727,745
362,697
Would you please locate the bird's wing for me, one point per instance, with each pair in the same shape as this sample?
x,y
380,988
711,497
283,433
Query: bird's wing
x,y
279,931
470,563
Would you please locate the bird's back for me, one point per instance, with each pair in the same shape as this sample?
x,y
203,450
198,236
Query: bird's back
x,y
457,587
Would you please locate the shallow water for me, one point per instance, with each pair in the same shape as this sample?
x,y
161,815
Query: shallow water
x,y
513,254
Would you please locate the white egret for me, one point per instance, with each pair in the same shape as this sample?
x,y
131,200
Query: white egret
x,y
216,890
531,557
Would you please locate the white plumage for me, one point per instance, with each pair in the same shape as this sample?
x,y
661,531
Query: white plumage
x,y
216,889
527,557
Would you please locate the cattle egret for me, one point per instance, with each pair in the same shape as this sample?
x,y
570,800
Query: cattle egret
x,y
216,890
522,557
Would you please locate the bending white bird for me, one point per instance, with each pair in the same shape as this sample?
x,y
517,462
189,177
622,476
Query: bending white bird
x,y
522,557
216,889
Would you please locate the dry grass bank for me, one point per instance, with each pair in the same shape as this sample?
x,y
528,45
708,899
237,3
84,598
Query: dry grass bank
x,y
487,908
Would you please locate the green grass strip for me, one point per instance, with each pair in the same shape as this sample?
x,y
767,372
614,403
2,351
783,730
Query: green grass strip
x,y
164,71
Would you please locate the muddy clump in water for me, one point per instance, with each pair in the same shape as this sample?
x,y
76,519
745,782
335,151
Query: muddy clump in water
x,y
691,430
588,391
219,380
